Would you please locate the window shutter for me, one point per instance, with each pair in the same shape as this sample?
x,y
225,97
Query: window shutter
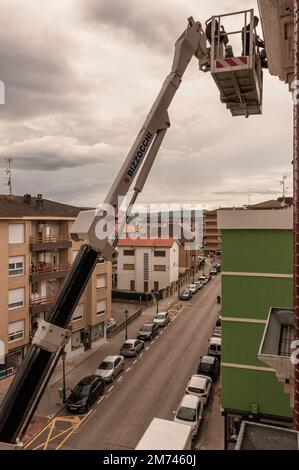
x,y
101,307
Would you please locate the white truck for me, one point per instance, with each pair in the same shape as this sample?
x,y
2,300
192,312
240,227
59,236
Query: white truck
x,y
166,435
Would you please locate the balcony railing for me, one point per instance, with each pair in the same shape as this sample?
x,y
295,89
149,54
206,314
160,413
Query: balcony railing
x,y
39,300
44,268
34,240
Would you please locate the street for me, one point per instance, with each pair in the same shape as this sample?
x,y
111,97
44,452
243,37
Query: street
x,y
152,385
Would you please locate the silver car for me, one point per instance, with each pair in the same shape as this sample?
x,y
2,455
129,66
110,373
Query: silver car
x,y
162,319
190,412
110,368
131,347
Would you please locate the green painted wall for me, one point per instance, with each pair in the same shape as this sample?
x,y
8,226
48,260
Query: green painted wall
x,y
242,387
241,343
263,251
252,297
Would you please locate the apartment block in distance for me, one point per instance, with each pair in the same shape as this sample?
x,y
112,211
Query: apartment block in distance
x,y
36,253
146,265
211,234
257,266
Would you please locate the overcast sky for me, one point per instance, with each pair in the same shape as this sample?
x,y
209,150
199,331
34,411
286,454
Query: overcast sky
x,y
81,76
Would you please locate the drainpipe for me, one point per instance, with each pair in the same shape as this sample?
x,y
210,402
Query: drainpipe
x,y
296,209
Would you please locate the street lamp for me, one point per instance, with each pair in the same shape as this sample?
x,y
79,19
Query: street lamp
x,y
63,357
126,315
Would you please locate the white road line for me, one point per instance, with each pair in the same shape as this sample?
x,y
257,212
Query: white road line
x,y
127,370
101,399
111,388
161,333
120,378
135,361
141,354
147,348
152,342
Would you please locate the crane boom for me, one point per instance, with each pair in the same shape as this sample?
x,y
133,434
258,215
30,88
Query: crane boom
x,y
25,392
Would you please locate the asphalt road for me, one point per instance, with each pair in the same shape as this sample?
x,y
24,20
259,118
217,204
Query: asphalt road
x,y
153,385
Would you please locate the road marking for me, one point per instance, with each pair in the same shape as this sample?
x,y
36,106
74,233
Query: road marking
x,y
127,370
111,388
135,361
161,333
147,348
120,378
141,354
101,399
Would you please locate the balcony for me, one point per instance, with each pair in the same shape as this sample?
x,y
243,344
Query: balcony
x,y
40,243
40,304
275,349
44,271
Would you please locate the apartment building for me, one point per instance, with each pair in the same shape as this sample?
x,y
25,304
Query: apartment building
x,y
146,265
211,234
36,253
257,266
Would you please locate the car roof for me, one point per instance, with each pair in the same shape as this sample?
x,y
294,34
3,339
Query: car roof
x,y
190,401
215,339
208,359
130,341
111,358
161,313
88,380
198,381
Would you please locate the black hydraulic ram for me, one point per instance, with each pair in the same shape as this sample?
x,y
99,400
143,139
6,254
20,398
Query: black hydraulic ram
x,y
33,375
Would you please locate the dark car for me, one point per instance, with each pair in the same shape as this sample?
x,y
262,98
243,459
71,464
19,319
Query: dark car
x,y
85,393
209,366
186,295
148,331
218,267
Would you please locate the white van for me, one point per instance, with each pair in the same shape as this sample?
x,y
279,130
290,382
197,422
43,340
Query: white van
x,y
215,347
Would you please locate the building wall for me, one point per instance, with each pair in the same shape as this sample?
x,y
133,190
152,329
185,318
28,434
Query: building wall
x,y
256,275
211,233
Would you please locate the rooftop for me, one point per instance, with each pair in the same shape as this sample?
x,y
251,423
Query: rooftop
x,y
148,242
255,436
28,206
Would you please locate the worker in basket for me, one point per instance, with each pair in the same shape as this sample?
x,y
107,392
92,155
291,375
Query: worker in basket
x,y
258,42
221,40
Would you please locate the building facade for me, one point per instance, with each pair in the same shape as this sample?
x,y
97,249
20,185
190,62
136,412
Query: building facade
x,y
256,276
211,234
147,265
36,253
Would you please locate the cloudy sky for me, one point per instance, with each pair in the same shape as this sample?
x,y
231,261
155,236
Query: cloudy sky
x,y
80,78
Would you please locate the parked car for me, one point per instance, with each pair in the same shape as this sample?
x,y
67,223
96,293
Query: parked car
x,y
148,331
218,322
85,393
203,279
110,325
162,319
218,267
190,412
210,366
213,272
110,368
186,295
193,288
208,277
217,332
199,285
215,347
131,347
200,386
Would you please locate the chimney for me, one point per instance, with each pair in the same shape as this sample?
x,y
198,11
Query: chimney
x,y
39,202
27,199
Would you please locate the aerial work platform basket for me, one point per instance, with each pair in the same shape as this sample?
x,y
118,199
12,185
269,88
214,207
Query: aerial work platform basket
x,y
236,68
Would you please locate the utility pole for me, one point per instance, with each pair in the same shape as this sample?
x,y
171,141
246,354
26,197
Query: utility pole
x,y
8,173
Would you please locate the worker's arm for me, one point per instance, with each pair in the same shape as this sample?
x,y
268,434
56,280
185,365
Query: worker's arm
x,y
31,379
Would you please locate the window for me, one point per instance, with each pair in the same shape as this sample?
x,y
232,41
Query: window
x,y
145,267
76,340
101,282
16,298
97,332
132,286
16,265
16,330
160,254
78,312
129,267
159,267
145,286
156,286
129,253
16,233
101,307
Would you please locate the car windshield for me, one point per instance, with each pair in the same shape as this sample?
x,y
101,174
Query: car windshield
x,y
205,367
160,317
127,346
106,365
186,414
195,390
81,390
146,328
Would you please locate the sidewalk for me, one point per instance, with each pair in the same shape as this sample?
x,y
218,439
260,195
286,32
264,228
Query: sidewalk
x,y
213,434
